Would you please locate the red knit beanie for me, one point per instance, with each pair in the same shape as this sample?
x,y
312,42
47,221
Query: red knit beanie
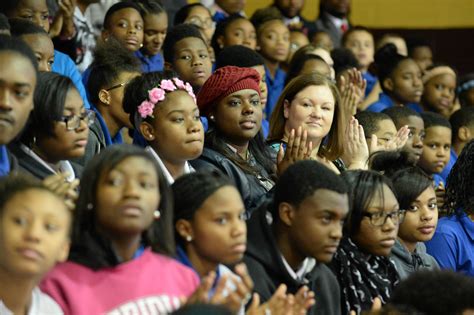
x,y
225,81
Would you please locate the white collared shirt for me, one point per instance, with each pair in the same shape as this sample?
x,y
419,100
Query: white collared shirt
x,y
337,21
306,266
187,167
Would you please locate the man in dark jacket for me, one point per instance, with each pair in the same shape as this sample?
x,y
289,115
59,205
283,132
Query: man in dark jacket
x,y
291,238
333,19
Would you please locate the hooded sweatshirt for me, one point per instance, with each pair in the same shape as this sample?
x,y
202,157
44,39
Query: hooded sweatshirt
x,y
267,268
407,263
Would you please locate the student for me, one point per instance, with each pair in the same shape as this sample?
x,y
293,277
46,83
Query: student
x,y
361,263
466,90
34,236
273,40
221,9
310,102
291,11
344,60
416,195
462,123
322,39
291,238
420,51
452,243
400,80
439,90
297,40
113,68
436,145
361,42
37,39
235,30
305,64
156,26
122,239
230,99
241,56
163,109
404,116
63,65
186,53
18,73
57,129
395,39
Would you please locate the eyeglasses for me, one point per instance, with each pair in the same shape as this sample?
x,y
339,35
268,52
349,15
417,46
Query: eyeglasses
x,y
207,23
74,121
380,218
117,86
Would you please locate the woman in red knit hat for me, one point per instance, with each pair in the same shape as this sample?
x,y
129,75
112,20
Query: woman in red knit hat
x,y
230,99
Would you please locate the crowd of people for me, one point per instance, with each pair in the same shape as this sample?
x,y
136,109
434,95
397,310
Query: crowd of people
x,y
210,162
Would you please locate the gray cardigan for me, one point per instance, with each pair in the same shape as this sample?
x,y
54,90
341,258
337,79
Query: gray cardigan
x,y
406,263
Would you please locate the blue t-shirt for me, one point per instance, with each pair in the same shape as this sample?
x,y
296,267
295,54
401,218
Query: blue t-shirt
x,y
275,87
453,244
371,81
150,63
64,65
4,161
109,140
447,169
385,101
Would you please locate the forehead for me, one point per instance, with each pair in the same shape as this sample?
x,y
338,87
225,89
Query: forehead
x,y
243,93
16,69
317,93
126,14
446,79
274,26
383,197
385,126
413,122
327,200
133,165
35,5
39,203
190,43
159,20
39,41
177,101
360,35
199,11
74,100
315,65
241,23
439,133
408,65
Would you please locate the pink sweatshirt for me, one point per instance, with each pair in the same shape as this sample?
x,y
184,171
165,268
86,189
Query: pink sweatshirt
x,y
149,284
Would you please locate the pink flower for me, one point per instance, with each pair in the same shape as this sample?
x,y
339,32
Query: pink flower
x,y
146,109
179,83
189,88
167,85
156,95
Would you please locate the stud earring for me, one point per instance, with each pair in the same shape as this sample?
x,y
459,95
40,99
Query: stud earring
x,y
90,206
141,45
211,118
189,238
157,214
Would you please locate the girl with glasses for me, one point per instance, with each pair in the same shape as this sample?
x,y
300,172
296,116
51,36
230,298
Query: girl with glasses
x,y
361,263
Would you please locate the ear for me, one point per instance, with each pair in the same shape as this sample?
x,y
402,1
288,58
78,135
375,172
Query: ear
x,y
388,84
104,97
286,109
105,35
464,134
184,228
168,66
147,131
287,213
64,252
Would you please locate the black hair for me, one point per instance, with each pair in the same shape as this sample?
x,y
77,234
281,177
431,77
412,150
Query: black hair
x,y
239,56
89,246
117,7
363,187
190,191
21,27
8,43
370,120
136,91
150,7
110,60
344,59
357,28
463,117
183,13
464,87
8,6
4,25
202,309
436,292
414,43
262,16
302,180
297,63
49,99
177,33
431,119
16,183
460,183
387,60
399,113
221,28
408,181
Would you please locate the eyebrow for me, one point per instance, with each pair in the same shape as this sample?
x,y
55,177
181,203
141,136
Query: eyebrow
x,y
17,84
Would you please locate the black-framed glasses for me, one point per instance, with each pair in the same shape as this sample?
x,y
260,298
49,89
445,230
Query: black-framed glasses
x,y
380,218
117,86
74,121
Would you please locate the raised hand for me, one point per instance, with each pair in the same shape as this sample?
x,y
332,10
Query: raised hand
x,y
298,148
279,304
396,143
304,300
356,151
63,188
352,91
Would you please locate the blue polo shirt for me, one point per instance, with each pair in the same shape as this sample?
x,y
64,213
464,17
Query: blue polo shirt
x,y
385,101
453,244
447,169
371,81
4,161
275,87
150,63
109,140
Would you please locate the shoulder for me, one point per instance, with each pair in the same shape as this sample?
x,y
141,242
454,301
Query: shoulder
x,y
170,266
43,304
377,107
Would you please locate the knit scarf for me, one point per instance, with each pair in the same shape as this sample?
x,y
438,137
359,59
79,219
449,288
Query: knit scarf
x,y
362,277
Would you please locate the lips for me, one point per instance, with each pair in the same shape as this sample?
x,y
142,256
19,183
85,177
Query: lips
x,y
132,41
331,249
313,124
7,119
239,248
427,229
30,253
388,242
81,142
131,210
281,51
248,124
445,103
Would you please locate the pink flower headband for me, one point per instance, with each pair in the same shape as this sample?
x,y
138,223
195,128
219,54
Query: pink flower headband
x,y
158,94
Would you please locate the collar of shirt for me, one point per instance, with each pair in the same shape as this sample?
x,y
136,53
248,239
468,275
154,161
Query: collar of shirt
x,y
62,167
468,226
117,139
4,161
337,21
187,167
150,63
306,266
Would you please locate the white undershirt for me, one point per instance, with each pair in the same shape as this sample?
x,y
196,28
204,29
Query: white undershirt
x,y
187,167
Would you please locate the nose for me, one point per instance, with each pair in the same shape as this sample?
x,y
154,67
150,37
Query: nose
x,y
248,108
132,29
239,228
417,142
131,189
389,225
426,214
5,103
33,231
195,126
196,61
44,66
417,81
336,232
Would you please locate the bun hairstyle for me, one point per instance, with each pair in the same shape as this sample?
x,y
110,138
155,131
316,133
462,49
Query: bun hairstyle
x,y
390,162
387,60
